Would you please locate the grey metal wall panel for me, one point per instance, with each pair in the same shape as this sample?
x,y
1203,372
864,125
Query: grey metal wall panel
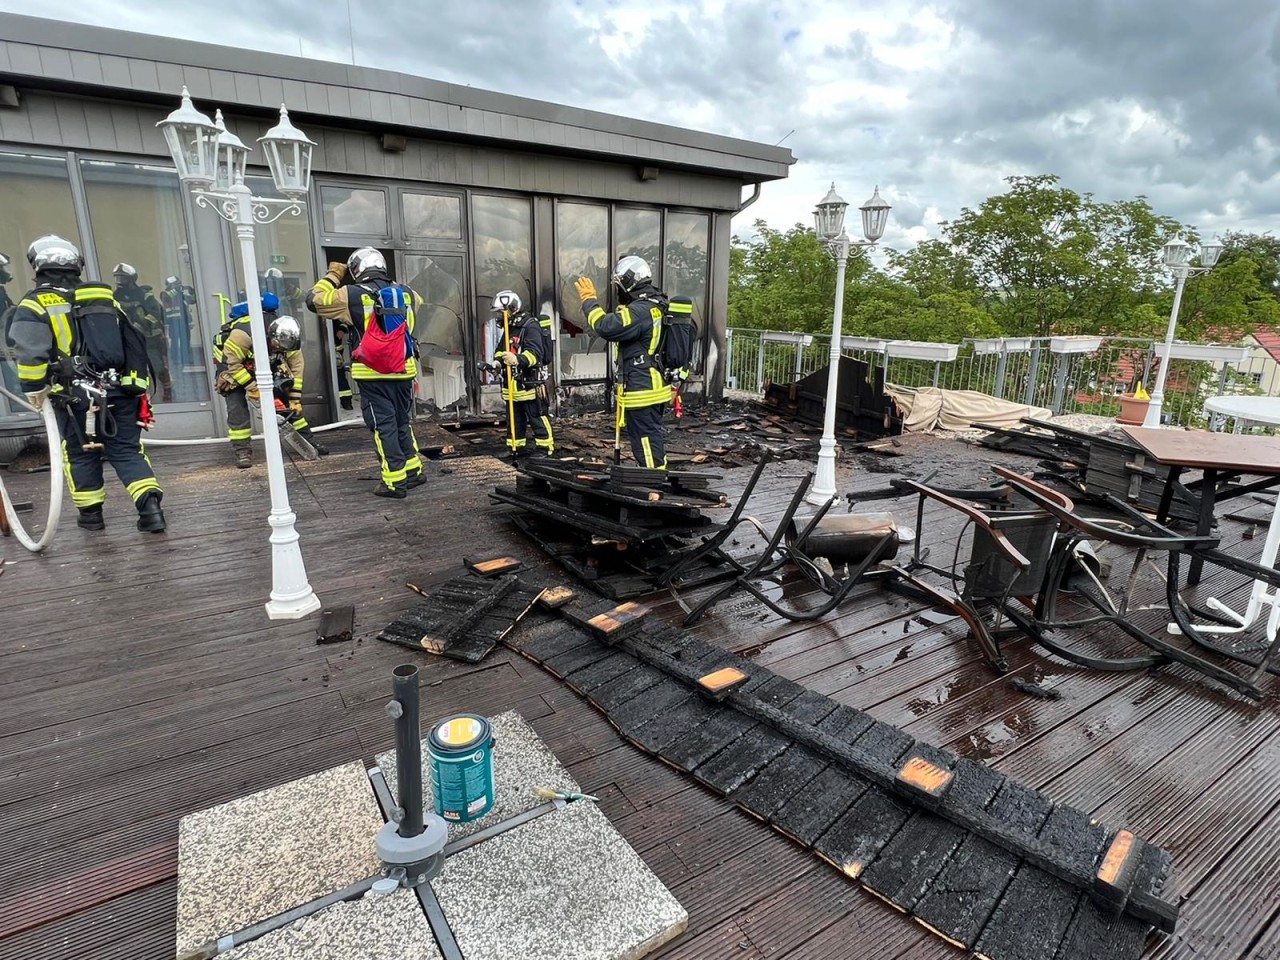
x,y
222,86
170,77
248,89
379,107
361,104
198,82
5,63
45,127
340,101
145,76
24,58
295,92
272,89
73,126
115,72
15,125
55,63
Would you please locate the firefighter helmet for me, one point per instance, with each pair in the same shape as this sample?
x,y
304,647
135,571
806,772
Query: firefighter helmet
x,y
365,263
51,251
507,301
286,332
125,271
630,273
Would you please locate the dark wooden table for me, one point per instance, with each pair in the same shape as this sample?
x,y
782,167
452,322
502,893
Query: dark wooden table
x,y
1215,455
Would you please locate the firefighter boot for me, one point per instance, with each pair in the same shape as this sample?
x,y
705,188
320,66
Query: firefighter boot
x,y
150,516
308,435
91,518
244,459
415,478
391,493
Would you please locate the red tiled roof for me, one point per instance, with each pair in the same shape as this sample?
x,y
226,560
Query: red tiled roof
x,y
1268,340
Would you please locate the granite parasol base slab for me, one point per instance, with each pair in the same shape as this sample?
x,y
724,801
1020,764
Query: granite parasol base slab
x,y
565,886
268,852
521,761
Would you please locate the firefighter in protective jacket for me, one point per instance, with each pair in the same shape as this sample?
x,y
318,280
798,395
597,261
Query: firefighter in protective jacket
x,y
68,334
233,355
527,356
145,313
378,316
636,327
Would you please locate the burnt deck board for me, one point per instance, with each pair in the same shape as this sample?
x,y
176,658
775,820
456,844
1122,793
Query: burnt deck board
x,y
107,702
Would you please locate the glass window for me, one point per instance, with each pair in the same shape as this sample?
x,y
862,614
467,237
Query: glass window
x,y
439,325
35,195
349,210
432,215
286,268
135,212
582,249
502,258
688,265
639,233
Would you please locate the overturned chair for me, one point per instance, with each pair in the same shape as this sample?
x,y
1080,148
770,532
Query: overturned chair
x,y
1033,569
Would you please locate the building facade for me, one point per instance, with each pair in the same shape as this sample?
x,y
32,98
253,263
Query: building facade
x,y
467,192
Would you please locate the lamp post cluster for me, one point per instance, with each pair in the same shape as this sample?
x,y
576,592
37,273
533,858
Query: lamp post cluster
x,y
828,220
1177,257
212,162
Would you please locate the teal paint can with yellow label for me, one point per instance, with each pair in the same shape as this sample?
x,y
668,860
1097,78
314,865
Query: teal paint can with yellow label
x,y
461,752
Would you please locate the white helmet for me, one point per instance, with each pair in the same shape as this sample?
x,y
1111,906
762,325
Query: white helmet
x,y
53,251
365,263
286,332
125,270
274,273
508,301
630,273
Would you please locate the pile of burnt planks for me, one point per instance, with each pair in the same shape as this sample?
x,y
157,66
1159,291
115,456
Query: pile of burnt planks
x,y
615,527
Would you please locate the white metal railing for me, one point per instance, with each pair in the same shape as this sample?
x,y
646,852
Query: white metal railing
x,y
1076,374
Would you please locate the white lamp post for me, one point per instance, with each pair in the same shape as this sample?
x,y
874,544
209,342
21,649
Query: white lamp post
x,y
828,220
212,162
1177,257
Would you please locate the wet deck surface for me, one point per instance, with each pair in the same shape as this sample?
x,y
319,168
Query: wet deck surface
x,y
142,681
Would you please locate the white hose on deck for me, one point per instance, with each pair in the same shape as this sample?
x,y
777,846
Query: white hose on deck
x,y
204,441
55,481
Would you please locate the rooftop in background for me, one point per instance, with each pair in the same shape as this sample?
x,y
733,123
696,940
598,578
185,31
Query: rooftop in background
x,y
134,66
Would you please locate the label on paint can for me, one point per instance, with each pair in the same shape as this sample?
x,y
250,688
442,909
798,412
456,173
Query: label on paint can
x,y
461,752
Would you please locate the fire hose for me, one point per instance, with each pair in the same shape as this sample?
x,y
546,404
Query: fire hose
x,y
55,481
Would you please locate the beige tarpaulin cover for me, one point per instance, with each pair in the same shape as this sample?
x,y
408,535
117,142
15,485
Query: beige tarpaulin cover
x,y
929,408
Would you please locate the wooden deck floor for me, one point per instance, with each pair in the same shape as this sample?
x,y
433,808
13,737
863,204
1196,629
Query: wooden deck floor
x,y
141,681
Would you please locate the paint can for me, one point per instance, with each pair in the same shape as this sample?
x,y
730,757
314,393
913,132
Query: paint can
x,y
461,751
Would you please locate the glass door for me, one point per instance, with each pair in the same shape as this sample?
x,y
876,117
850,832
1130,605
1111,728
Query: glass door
x,y
443,328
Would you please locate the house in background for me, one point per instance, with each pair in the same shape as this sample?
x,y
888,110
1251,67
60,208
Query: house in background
x,y
1263,368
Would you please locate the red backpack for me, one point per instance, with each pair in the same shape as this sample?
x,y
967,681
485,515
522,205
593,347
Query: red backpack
x,y
386,344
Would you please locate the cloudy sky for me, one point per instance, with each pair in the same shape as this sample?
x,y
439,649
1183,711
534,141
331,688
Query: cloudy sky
x,y
934,102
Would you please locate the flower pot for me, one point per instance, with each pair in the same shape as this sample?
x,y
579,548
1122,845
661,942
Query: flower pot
x,y
1132,410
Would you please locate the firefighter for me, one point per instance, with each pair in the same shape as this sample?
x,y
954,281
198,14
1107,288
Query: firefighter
x,y
233,352
177,300
527,356
378,316
145,313
636,327
66,331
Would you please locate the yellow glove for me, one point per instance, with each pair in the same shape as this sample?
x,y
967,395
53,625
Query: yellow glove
x,y
251,391
337,272
296,406
586,289
509,358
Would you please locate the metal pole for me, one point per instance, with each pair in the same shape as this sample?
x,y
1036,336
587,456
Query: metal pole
x,y
408,750
824,482
291,593
799,356
1157,395
1001,366
937,371
760,363
1060,382
1033,371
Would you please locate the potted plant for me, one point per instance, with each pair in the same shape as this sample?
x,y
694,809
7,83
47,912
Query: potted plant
x,y
1133,406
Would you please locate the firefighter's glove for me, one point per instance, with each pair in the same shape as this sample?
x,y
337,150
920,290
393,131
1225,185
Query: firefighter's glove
x,y
37,398
509,358
252,392
225,383
296,406
586,289
337,272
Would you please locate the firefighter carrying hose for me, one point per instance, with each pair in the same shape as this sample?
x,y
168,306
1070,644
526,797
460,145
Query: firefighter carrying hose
x,y
234,360
527,354
77,348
